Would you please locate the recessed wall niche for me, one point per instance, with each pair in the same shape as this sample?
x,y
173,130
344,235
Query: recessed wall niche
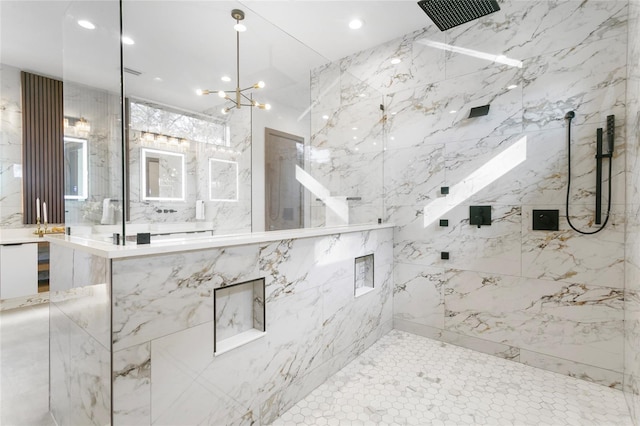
x,y
364,278
239,314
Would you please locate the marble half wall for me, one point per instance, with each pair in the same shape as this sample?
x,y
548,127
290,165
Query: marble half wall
x,y
80,328
165,370
553,299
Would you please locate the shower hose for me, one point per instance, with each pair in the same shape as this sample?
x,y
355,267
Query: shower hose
x,y
569,116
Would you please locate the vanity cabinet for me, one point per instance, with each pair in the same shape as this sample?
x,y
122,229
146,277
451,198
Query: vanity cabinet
x,y
18,270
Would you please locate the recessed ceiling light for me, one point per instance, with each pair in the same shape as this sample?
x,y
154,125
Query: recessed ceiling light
x,y
157,79
354,128
362,95
513,86
86,24
325,117
394,113
396,61
127,40
225,78
453,111
355,24
355,138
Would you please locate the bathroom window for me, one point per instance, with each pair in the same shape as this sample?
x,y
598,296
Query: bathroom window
x,y
239,314
364,278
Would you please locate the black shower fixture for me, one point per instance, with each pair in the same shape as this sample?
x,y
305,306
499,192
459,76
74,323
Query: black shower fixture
x,y
600,155
447,14
479,111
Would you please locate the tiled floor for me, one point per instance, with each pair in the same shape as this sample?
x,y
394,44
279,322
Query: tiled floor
x,y
409,380
402,379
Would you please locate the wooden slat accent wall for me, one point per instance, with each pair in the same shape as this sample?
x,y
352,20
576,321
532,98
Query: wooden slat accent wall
x,y
42,146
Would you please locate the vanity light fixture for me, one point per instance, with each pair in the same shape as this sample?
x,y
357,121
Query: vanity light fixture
x,y
239,98
76,127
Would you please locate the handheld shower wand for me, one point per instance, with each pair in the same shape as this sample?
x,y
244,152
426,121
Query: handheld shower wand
x,y
599,156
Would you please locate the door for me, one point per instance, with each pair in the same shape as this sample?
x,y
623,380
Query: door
x,y
284,201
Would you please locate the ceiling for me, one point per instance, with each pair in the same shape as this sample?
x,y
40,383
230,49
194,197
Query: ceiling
x,y
182,45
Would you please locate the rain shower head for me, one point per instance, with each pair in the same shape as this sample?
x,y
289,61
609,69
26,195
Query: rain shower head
x,y
447,14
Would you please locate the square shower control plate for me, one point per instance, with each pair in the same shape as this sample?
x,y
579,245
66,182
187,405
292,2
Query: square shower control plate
x,y
545,220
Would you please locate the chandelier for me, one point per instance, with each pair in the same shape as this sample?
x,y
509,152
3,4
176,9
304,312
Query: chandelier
x,y
238,97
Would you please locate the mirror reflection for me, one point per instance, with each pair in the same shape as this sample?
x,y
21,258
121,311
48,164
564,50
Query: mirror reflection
x,y
223,180
76,173
162,175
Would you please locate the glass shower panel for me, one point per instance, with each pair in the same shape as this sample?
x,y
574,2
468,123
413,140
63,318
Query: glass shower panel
x,y
92,118
172,80
344,171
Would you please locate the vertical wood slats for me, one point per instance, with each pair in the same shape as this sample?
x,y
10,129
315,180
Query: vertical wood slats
x,y
42,147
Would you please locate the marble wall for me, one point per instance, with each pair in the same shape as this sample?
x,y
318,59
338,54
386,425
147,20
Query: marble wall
x,y
80,327
10,148
632,241
551,299
200,140
345,154
163,327
100,109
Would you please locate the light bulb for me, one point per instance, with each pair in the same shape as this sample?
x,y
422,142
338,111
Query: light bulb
x,y
224,111
259,85
86,24
267,106
222,94
355,24
240,28
199,92
225,78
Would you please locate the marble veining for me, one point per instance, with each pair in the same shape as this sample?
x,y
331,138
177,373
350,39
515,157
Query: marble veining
x,y
163,337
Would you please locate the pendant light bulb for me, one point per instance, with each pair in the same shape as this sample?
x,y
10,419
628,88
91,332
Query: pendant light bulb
x,y
259,85
222,94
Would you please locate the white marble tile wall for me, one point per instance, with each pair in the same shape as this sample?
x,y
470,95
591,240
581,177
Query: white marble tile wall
x,y
550,299
632,240
345,153
80,329
163,336
101,109
203,140
10,148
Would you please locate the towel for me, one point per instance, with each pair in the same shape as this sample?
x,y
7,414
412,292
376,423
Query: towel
x,y
107,212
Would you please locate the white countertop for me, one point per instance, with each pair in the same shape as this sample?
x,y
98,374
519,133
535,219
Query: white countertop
x,y
131,249
20,236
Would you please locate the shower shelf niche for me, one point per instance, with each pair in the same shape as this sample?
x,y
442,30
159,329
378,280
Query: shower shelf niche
x,y
364,277
239,315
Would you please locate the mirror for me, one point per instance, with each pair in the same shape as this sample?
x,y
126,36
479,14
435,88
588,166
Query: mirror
x,y
223,180
76,173
162,175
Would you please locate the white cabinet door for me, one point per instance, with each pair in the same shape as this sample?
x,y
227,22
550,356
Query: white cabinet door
x,y
18,270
